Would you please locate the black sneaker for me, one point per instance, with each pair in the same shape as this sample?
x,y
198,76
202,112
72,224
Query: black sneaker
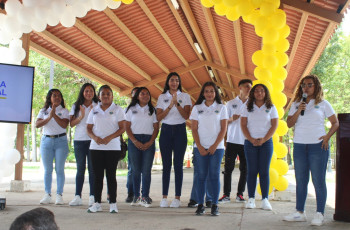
x,y
240,199
192,204
208,204
136,201
146,202
200,210
129,198
224,199
215,210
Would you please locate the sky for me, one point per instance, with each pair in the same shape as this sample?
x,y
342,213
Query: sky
x,y
346,23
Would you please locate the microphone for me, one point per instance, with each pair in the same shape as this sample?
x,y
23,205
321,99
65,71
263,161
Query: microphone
x,y
304,100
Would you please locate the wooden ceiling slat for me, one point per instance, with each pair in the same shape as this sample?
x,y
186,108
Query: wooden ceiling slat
x,y
239,45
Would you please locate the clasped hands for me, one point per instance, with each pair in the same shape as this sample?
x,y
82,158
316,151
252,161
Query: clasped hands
x,y
257,141
102,141
141,146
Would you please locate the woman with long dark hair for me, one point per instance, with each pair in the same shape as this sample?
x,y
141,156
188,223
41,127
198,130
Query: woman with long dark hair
x,y
105,126
259,121
54,119
79,113
209,123
311,145
173,109
142,128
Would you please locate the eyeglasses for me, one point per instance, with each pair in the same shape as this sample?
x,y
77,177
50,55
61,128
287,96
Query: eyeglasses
x,y
309,85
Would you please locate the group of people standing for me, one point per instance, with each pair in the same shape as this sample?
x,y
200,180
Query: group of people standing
x,y
250,121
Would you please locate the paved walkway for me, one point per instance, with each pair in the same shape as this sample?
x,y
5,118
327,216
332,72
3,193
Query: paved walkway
x,y
233,215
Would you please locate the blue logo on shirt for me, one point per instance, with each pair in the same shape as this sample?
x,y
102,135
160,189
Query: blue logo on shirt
x,y
166,100
200,111
180,101
317,106
234,106
59,114
46,113
216,111
111,112
95,112
134,112
267,110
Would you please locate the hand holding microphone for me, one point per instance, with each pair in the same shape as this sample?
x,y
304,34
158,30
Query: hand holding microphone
x,y
304,101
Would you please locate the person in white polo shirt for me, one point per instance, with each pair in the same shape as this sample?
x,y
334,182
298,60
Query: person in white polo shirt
x,y
54,119
235,143
209,123
142,128
259,120
105,126
173,109
79,113
311,145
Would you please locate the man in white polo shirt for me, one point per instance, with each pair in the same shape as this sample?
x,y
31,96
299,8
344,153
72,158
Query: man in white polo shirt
x,y
235,143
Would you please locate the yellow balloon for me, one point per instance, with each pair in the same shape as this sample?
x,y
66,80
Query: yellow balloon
x,y
278,85
257,3
271,35
273,161
216,1
276,3
231,3
280,73
258,57
220,9
270,62
282,167
267,84
279,99
282,58
275,138
258,189
207,3
280,112
232,14
127,1
282,128
282,45
267,8
251,18
273,176
284,31
281,150
262,74
261,23
278,19
269,49
281,184
245,8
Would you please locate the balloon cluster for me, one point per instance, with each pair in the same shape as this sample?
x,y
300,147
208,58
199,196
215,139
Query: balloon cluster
x,y
270,24
37,14
8,155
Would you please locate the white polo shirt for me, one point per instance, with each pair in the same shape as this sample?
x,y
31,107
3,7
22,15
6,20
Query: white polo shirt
x,y
52,127
80,128
141,119
310,127
259,120
234,131
105,123
173,117
209,126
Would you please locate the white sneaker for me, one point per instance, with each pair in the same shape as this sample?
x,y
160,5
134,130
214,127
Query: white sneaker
x,y
251,203
265,204
113,208
77,201
175,203
164,203
59,199
295,217
91,200
318,219
96,207
46,199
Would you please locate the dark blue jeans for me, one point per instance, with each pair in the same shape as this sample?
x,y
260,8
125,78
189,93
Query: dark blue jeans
x,y
208,169
194,193
141,163
173,138
258,161
82,152
310,158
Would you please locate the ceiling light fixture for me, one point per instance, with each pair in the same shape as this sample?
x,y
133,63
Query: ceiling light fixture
x,y
198,47
176,4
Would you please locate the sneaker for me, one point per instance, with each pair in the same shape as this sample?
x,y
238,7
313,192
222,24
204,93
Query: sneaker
x,y
215,210
113,208
164,203
46,199
265,204
251,203
96,207
200,210
136,201
318,219
224,199
77,201
295,217
146,202
175,203
130,198
240,199
208,204
59,199
91,200
192,204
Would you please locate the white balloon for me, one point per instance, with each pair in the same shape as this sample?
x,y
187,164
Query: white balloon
x,y
25,16
38,25
13,156
4,53
8,130
11,25
16,43
68,18
29,3
41,12
52,18
12,7
98,5
58,6
113,4
70,2
26,29
4,38
17,54
8,170
1,175
79,10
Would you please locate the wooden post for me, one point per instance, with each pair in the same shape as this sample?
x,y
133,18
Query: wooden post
x,y
20,127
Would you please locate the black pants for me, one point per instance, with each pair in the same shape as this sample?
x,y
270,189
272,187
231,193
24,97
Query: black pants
x,y
105,160
232,150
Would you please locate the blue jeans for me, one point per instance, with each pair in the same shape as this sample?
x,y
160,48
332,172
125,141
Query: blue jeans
x,y
54,148
208,169
258,161
194,196
129,183
141,161
82,152
310,158
173,138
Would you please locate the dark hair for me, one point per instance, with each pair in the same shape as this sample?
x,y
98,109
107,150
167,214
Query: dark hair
x,y
135,88
102,88
135,100
81,98
318,92
166,87
251,99
38,218
48,98
201,97
243,81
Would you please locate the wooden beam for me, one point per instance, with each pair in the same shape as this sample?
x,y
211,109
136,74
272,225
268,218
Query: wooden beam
x,y
79,55
232,72
314,10
37,48
239,45
345,6
95,37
